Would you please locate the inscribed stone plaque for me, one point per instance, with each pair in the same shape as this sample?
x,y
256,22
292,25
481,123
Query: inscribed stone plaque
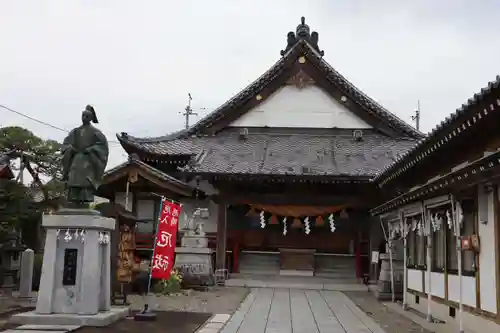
x,y
69,270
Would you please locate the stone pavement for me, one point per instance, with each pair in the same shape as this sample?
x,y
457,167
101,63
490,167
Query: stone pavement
x,y
295,282
43,329
270,310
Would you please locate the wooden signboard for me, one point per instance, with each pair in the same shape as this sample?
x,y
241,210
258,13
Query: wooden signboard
x,y
126,249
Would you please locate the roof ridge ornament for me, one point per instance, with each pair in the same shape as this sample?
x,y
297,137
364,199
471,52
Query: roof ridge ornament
x,y
302,33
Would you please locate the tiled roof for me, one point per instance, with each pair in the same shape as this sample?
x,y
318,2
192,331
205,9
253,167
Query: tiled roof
x,y
149,169
278,153
471,173
302,47
411,157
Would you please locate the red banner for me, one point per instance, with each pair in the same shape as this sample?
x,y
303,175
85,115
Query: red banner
x,y
166,235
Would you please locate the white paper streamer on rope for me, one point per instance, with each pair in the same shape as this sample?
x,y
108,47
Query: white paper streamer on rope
x,y
449,220
67,236
420,228
460,217
262,220
285,226
307,224
432,219
332,223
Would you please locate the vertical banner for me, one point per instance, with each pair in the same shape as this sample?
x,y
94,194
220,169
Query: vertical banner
x,y
166,236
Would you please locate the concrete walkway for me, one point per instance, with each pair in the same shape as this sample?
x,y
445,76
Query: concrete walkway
x,y
270,310
294,282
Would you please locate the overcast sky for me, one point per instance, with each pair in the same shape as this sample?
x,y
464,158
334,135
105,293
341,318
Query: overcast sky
x,y
136,61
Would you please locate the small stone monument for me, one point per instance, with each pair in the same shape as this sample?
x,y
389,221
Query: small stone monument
x,y
384,287
75,286
26,274
194,258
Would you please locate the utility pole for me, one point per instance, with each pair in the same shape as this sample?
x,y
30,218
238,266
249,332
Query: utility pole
x,y
416,117
188,111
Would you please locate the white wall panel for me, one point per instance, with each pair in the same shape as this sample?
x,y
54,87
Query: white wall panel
x,y
468,289
310,107
415,280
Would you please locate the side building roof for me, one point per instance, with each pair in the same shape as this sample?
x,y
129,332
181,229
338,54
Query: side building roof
x,y
467,116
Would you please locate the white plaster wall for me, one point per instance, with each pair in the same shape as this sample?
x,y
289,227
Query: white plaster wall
x,y
189,206
437,284
310,107
487,256
468,289
472,322
415,280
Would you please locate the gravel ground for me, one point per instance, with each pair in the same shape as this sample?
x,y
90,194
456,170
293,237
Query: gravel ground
x,y
389,320
10,305
215,300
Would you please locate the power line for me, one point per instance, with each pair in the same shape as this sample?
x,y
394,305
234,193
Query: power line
x,y
40,121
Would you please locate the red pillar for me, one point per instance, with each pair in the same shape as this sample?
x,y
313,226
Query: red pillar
x,y
358,257
236,252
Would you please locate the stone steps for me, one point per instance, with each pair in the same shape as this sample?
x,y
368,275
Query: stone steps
x,y
259,263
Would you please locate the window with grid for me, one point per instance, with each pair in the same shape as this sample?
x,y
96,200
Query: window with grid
x,y
421,241
438,243
410,244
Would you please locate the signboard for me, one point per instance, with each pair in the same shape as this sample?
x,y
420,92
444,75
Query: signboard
x,y
166,235
126,249
375,257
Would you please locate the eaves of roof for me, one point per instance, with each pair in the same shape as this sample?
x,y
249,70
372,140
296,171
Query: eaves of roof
x,y
183,187
469,174
301,48
464,117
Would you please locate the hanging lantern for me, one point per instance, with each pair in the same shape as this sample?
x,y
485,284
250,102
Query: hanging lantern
x,y
296,223
319,221
273,220
285,226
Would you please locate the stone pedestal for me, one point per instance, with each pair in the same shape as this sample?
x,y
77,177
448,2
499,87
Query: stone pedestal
x,y
75,282
383,290
194,260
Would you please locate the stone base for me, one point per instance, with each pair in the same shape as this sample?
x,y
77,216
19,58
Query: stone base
x,y
100,319
195,264
295,272
194,241
384,296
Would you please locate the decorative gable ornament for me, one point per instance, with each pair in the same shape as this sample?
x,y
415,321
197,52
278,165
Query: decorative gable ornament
x,y
300,80
303,32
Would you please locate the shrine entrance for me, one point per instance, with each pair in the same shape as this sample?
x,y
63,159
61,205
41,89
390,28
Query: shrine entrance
x,y
295,241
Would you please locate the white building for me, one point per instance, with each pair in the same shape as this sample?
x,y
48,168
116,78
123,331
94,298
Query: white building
x,y
443,191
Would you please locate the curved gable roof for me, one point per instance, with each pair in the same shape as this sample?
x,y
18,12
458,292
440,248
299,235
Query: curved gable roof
x,y
301,44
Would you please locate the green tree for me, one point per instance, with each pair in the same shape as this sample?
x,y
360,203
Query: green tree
x,y
41,158
17,207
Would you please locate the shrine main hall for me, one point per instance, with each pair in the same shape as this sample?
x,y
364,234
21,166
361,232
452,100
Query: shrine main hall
x,y
285,169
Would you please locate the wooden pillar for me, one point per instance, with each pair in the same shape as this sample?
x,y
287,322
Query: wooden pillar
x,y
220,252
358,256
236,252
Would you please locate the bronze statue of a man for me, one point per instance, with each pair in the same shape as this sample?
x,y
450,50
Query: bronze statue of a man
x,y
85,155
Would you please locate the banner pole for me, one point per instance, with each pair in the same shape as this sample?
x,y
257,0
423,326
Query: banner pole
x,y
154,246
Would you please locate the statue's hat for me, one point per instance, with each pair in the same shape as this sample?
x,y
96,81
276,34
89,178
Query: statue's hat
x,y
94,116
